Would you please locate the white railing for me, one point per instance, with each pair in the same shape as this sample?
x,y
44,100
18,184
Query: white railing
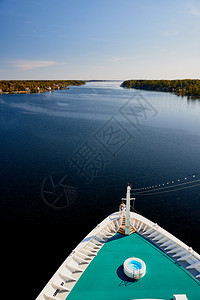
x,y
168,243
80,258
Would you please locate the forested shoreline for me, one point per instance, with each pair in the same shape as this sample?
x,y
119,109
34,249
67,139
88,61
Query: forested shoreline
x,y
180,87
35,86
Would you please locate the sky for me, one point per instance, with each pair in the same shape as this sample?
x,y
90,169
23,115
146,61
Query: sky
x,y
99,39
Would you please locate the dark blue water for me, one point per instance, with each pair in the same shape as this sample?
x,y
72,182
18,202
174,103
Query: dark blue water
x,y
94,138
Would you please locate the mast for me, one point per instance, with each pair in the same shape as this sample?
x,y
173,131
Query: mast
x,y
128,199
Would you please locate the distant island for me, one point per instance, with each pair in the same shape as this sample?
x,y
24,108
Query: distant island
x,y
180,87
35,86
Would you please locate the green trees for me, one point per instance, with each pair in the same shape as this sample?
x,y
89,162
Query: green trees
x,y
14,86
184,87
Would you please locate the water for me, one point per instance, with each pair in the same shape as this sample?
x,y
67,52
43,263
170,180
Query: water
x,y
134,265
116,136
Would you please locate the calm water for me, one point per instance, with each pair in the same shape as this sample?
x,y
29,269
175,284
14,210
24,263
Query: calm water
x,y
95,138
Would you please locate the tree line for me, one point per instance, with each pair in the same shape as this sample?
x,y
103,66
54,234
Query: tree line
x,y
180,87
33,86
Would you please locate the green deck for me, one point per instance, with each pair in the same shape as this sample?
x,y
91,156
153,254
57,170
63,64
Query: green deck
x,y
104,278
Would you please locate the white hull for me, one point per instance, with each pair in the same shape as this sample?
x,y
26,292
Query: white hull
x,y
65,278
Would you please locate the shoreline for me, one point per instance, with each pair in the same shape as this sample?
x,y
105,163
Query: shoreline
x,y
14,87
180,87
24,92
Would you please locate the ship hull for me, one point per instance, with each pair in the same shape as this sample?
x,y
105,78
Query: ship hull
x,y
64,281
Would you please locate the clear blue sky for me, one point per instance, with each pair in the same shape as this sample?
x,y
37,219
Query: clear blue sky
x,y
99,39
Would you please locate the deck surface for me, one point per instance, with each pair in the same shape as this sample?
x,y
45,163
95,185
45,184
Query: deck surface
x,y
104,277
